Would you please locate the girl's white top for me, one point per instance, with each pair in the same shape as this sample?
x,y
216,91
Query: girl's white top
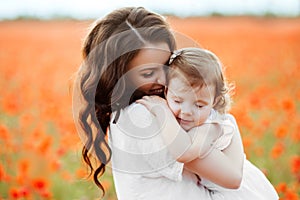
x,y
254,185
141,165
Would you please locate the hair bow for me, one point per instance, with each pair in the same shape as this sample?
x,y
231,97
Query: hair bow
x,y
174,55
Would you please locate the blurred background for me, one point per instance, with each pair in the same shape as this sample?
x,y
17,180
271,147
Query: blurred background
x,y
88,9
258,42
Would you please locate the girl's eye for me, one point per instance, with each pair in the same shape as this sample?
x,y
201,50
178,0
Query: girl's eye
x,y
148,74
199,106
177,101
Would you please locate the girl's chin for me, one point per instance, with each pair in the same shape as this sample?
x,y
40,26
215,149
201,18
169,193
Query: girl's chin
x,y
184,126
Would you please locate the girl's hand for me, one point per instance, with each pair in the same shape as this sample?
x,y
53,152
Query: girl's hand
x,y
154,104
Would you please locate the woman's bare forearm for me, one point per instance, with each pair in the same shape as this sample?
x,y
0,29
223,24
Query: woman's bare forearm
x,y
224,168
217,168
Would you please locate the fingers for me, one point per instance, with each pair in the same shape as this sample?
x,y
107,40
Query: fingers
x,y
141,101
146,99
154,98
148,102
151,101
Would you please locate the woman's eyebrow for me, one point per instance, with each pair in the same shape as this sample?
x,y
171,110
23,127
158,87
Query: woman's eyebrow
x,y
149,68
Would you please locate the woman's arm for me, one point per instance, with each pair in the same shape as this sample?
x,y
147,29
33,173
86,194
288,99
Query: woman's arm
x,y
224,168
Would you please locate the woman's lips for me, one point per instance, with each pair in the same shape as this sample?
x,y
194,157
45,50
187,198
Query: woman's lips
x,y
157,91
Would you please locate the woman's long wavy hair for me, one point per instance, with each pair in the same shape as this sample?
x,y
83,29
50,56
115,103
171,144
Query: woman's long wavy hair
x,y
110,45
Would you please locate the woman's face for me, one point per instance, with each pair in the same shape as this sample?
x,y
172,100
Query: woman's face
x,y
146,72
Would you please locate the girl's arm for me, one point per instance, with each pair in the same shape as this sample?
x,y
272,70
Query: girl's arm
x,y
224,168
183,146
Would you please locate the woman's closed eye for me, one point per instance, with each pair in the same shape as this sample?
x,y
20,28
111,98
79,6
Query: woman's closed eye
x,y
148,74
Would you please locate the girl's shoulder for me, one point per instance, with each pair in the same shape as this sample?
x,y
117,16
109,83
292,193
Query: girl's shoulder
x,y
215,116
228,125
231,118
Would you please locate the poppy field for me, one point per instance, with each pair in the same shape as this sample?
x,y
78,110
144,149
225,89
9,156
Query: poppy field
x,y
40,151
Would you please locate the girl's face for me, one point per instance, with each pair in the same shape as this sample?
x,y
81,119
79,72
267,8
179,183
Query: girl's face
x,y
190,105
146,72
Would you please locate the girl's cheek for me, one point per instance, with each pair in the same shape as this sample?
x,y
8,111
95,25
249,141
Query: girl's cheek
x,y
206,113
174,108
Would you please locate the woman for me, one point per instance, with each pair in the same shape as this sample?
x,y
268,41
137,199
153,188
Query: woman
x,y
125,55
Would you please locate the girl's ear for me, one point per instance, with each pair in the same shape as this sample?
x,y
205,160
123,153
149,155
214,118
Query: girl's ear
x,y
217,100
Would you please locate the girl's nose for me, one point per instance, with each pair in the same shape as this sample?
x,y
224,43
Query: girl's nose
x,y
186,109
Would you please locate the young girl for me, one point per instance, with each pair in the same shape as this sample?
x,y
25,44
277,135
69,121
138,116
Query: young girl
x,y
198,94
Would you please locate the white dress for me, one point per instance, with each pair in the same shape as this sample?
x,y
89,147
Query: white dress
x,y
254,185
141,165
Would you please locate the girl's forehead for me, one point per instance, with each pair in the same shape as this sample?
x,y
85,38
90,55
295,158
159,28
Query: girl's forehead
x,y
177,86
150,55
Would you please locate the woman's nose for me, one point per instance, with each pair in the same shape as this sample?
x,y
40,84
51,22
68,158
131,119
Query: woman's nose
x,y
161,78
